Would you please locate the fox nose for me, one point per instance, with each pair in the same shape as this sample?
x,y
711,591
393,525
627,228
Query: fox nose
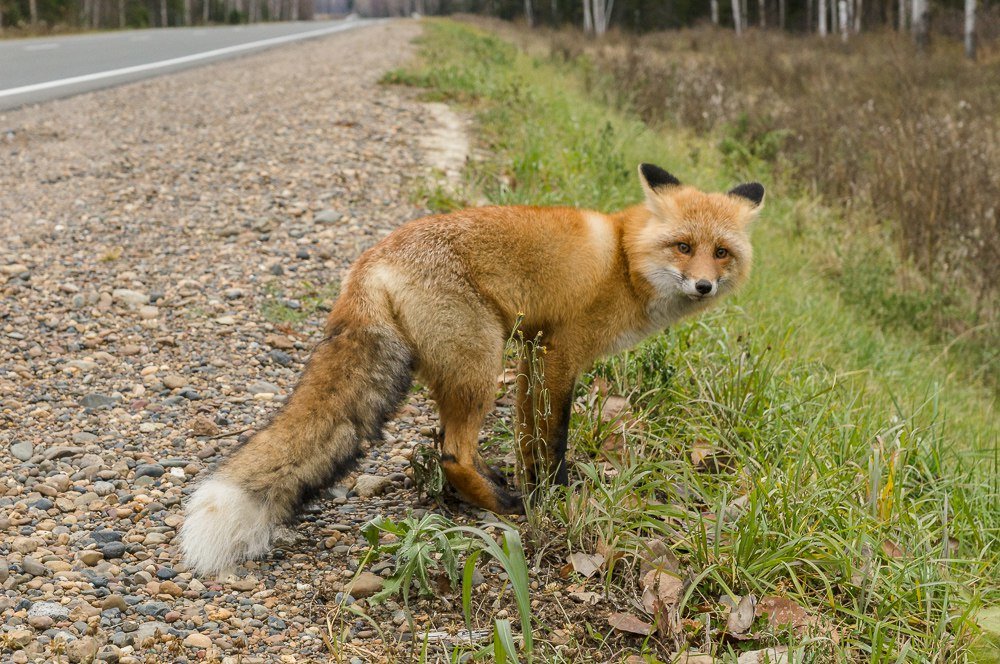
x,y
704,286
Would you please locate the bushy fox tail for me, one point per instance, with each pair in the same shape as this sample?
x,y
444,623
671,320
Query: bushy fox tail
x,y
354,381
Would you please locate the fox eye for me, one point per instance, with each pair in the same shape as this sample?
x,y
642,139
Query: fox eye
x,y
721,252
684,247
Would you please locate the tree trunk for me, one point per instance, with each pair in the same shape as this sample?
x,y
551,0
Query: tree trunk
x,y
206,5
295,10
782,13
843,19
33,12
762,10
822,18
715,12
163,13
187,12
970,29
859,10
921,24
529,14
902,15
738,19
588,18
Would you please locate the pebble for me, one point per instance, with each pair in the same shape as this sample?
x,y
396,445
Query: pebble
x,y
365,585
22,450
123,361
196,640
368,486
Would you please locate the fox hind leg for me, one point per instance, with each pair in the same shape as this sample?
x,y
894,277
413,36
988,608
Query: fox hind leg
x,y
462,411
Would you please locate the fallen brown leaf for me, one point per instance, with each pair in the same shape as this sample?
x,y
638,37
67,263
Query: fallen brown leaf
x,y
658,556
892,550
776,655
626,622
586,564
782,612
741,614
661,593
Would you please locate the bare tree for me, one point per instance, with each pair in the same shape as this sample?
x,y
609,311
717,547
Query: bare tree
x,y
902,15
163,13
842,18
738,18
822,18
529,14
187,12
121,13
970,29
588,18
715,12
762,13
33,12
857,10
601,10
920,23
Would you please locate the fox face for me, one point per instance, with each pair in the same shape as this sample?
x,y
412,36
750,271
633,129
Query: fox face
x,y
694,246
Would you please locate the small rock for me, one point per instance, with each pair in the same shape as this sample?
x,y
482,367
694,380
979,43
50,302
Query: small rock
x,y
53,610
149,312
129,297
33,567
91,557
22,450
84,437
149,469
174,381
328,217
113,550
95,401
24,545
280,357
114,602
196,640
202,426
61,452
279,341
41,623
365,585
368,486
263,387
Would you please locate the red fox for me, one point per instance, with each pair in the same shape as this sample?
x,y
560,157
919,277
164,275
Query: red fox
x,y
438,298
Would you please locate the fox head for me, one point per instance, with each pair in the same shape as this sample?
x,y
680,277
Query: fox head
x,y
694,245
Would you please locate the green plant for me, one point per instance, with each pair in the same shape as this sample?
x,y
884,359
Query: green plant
x,y
433,544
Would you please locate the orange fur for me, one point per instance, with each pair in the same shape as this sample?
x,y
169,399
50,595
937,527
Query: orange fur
x,y
439,297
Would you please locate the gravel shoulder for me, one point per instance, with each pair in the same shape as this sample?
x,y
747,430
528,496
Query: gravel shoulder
x,y
167,253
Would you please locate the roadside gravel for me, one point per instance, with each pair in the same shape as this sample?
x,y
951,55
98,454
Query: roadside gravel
x,y
167,253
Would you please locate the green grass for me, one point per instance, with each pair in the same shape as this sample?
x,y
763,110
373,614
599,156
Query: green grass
x,y
276,307
838,441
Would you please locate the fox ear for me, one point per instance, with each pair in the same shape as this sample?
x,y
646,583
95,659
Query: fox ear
x,y
751,191
654,177
655,180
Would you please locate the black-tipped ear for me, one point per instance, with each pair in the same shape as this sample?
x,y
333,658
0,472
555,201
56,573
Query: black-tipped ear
x,y
655,177
752,191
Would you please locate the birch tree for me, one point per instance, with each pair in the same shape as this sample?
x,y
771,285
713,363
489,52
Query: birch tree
x,y
738,18
529,14
970,29
602,15
821,11
588,19
715,12
842,19
920,22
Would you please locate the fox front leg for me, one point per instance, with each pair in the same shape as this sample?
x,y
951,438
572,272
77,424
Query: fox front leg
x,y
544,405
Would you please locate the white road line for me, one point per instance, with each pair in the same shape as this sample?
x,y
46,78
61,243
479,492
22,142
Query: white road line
x,y
10,92
41,47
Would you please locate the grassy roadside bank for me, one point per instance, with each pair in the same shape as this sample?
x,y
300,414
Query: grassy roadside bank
x,y
783,446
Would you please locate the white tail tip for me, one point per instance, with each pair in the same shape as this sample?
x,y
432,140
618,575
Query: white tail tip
x,y
224,526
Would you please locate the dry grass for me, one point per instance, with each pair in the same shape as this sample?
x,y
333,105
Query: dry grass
x,y
871,125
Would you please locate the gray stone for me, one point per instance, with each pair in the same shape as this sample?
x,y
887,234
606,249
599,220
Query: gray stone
x,y
113,550
367,486
22,450
53,610
106,535
60,452
263,387
328,217
149,630
96,400
365,585
129,297
83,437
33,567
150,469
82,651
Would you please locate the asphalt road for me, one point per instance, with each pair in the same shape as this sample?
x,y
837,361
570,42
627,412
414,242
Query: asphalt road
x,y
35,70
